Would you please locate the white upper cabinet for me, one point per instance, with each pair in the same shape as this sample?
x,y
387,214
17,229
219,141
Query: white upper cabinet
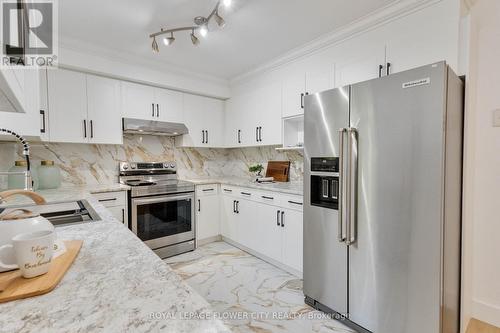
x,y
103,113
83,108
12,86
311,78
169,105
294,88
67,92
138,101
150,103
204,118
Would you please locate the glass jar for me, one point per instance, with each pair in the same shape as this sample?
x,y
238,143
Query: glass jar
x,y
49,175
17,181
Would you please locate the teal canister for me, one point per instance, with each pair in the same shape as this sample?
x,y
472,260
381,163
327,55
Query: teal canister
x,y
17,181
49,175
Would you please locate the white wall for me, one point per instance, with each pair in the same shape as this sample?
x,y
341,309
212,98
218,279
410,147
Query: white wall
x,y
481,269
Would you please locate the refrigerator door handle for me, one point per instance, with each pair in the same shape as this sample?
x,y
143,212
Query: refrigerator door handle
x,y
341,195
352,185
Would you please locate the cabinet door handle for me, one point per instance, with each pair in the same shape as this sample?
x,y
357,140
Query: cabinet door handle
x,y
227,190
260,133
234,206
295,202
43,129
266,197
107,200
237,207
91,129
202,136
157,110
207,189
257,134
239,136
246,193
282,219
153,109
302,100
278,218
388,68
206,131
84,128
199,205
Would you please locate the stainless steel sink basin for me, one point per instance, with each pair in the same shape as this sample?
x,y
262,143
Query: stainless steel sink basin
x,y
65,213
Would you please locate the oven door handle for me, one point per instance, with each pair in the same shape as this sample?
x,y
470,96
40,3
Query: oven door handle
x,y
167,198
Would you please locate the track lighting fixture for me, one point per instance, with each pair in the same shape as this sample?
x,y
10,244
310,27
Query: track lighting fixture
x,y
201,25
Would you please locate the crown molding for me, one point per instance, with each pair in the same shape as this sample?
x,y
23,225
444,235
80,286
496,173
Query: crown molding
x,y
379,17
134,60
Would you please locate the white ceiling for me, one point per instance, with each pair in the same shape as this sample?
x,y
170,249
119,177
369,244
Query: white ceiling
x,y
256,32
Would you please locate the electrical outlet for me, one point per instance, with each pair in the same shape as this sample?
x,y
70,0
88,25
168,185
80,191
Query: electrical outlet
x,y
496,118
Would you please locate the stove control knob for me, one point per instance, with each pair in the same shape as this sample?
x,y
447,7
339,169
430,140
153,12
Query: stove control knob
x,y
172,165
125,166
165,165
133,166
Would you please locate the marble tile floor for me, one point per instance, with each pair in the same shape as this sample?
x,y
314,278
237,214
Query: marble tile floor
x,y
250,294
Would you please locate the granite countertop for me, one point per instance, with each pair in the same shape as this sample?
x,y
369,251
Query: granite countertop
x,y
66,194
293,187
116,284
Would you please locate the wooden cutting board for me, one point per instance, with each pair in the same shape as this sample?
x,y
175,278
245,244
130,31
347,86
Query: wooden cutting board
x,y
279,170
14,286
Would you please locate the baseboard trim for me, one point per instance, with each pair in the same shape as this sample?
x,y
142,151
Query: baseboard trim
x,y
273,262
208,240
489,313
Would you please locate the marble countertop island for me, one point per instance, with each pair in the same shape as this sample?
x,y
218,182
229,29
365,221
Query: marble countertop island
x,y
293,187
116,284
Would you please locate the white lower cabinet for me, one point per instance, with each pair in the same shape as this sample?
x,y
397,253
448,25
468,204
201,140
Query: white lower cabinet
x,y
116,203
207,212
271,229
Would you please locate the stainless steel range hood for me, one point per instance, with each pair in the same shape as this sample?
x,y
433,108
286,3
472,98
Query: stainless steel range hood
x,y
153,127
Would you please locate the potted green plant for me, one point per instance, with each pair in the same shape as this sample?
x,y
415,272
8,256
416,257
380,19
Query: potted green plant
x,y
256,169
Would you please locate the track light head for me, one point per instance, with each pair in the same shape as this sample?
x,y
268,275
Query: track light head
x,y
169,40
227,3
194,39
154,46
204,30
219,20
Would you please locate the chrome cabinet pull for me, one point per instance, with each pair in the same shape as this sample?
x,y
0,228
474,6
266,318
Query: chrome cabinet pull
x,y
340,234
352,184
283,219
278,218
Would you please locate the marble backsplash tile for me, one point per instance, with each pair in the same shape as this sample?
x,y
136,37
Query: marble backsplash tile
x,y
85,164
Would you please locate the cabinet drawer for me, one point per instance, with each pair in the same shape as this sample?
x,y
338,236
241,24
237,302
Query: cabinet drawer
x,y
295,202
207,189
112,199
229,190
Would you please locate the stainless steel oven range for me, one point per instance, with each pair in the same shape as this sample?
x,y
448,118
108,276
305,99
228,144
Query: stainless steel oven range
x,y
161,207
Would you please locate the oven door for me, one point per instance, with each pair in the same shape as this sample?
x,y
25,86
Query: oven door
x,y
163,220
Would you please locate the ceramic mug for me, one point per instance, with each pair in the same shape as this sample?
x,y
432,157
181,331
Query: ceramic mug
x,y
33,252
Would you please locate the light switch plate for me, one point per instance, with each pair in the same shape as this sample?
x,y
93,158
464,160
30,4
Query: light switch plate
x,y
496,118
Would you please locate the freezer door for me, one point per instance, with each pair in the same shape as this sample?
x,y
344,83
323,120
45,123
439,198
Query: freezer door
x,y
394,263
325,257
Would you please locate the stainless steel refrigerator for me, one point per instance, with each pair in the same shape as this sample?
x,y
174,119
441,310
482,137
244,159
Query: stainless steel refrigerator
x,y
382,201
